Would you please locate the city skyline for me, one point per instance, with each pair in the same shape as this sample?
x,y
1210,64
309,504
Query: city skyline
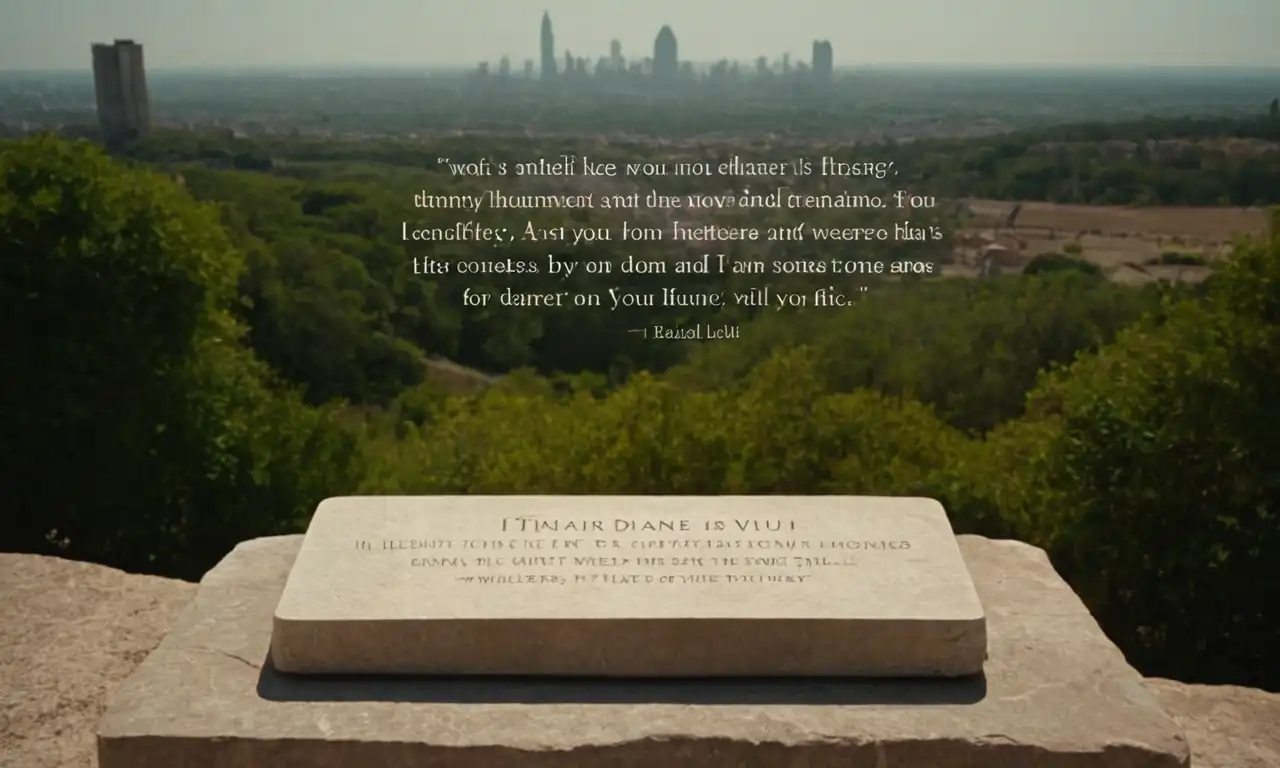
x,y
405,34
663,66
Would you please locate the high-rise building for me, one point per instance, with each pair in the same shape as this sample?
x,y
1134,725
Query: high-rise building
x,y
823,60
548,48
615,55
120,84
666,63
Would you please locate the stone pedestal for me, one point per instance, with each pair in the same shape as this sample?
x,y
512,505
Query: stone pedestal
x,y
1055,694
708,586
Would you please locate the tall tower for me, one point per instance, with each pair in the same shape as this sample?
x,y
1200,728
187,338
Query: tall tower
x,y
666,64
615,55
823,60
120,85
548,48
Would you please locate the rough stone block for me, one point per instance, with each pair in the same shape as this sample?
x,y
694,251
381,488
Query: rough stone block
x,y
1055,694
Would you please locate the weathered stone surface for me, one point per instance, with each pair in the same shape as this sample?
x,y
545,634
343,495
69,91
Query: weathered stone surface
x,y
638,586
1056,694
69,633
1227,726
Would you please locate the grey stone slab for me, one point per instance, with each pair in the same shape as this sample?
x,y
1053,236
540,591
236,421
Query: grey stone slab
x,y
630,586
1055,694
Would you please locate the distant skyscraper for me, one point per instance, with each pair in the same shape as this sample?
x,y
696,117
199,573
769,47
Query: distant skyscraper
x,y
120,84
666,62
823,60
548,48
615,55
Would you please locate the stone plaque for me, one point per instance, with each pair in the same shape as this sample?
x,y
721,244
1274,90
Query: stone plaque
x,y
654,586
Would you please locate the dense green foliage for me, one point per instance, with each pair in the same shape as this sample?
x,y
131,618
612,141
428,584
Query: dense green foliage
x,y
1149,471
137,430
1169,161
1129,432
1148,162
326,260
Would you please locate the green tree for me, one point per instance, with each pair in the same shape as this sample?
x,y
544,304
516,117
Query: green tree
x,y
1151,471
320,320
778,432
143,435
969,349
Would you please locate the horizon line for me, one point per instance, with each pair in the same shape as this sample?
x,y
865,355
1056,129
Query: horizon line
x,y
882,65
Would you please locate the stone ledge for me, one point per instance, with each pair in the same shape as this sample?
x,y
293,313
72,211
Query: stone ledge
x,y
69,633
1227,726
1056,694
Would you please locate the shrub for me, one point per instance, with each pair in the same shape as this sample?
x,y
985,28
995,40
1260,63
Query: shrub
x,y
1058,262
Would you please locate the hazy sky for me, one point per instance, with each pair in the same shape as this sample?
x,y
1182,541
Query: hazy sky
x,y
55,34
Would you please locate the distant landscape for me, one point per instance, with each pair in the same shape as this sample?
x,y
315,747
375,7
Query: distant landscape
x,y
218,325
860,103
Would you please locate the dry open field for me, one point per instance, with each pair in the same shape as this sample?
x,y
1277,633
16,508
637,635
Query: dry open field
x,y
1213,225
1126,242
456,378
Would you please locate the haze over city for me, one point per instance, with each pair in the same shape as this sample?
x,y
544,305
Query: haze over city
x,y
54,35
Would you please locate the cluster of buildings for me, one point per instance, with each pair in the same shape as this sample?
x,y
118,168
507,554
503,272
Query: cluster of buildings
x,y
124,111
663,66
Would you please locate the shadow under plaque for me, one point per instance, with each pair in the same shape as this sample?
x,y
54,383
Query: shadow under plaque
x,y
274,685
